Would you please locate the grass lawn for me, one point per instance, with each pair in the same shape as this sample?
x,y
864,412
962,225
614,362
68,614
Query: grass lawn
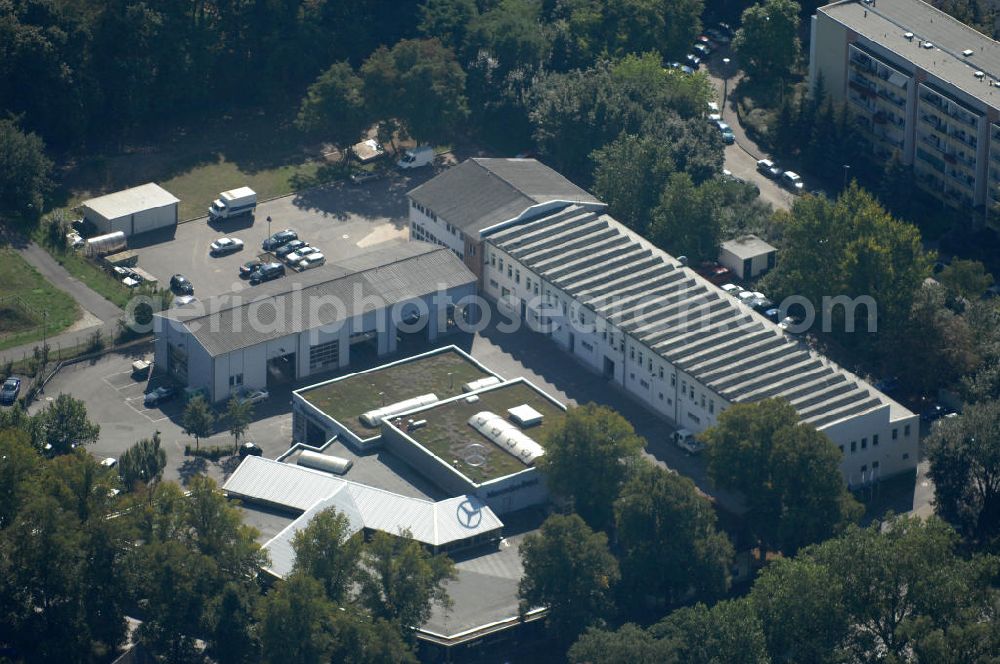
x,y
448,432
21,320
195,163
346,399
97,279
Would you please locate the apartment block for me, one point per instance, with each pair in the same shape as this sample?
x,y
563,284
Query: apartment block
x,y
924,88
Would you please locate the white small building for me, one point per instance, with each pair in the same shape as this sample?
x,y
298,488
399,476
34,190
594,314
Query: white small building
x,y
747,256
132,211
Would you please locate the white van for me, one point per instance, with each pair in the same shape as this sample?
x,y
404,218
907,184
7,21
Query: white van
x,y
685,440
417,157
312,260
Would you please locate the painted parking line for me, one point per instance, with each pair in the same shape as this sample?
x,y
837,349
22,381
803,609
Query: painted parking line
x,y
150,414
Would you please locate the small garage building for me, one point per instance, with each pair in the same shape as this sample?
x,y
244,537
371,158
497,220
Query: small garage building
x,y
133,211
747,256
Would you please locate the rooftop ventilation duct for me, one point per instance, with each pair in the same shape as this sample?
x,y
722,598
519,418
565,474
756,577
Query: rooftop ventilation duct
x,y
506,436
373,418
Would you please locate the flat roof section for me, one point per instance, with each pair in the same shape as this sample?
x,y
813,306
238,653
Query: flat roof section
x,y
448,435
131,201
885,22
748,246
441,372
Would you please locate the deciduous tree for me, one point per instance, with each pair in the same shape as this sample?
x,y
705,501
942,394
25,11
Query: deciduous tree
x,y
334,107
328,551
768,39
24,170
143,462
587,459
568,568
239,414
198,419
65,423
296,622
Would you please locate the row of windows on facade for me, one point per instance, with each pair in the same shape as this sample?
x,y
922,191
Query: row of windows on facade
x,y
418,232
864,441
426,212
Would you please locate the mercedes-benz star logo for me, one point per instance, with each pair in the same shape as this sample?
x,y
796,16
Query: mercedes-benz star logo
x,y
469,515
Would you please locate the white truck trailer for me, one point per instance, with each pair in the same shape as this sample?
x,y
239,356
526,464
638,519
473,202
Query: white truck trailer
x,y
233,203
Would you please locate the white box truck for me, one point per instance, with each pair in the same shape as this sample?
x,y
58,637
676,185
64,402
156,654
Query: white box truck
x,y
233,203
417,157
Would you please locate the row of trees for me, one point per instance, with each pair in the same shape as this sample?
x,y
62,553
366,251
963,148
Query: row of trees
x,y
76,557
665,548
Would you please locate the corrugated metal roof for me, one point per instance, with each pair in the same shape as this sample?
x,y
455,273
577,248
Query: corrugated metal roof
x,y
130,201
646,293
293,487
394,274
480,192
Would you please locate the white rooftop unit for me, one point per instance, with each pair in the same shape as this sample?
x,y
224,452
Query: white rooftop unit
x,y
525,415
331,464
474,385
373,418
506,436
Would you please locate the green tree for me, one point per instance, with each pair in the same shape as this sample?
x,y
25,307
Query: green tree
x,y
21,464
328,551
768,39
587,459
909,586
239,414
945,349
215,528
296,622
687,222
966,278
629,644
799,604
629,174
511,35
64,423
787,471
400,579
24,171
667,540
231,619
143,462
568,568
418,82
198,419
334,106
359,640
895,189
728,632
447,20
964,453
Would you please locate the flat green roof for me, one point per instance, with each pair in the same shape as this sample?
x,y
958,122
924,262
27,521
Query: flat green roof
x,y
346,399
448,433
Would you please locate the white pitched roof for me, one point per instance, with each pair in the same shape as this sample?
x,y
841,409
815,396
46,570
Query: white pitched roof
x,y
293,487
131,201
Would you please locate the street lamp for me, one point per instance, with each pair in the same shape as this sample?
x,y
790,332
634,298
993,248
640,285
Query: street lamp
x,y
847,168
725,82
269,225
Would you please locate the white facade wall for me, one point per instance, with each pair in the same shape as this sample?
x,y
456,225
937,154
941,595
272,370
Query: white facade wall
x,y
134,224
668,391
427,226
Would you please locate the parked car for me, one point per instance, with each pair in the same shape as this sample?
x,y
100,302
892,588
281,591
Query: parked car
x,y
158,396
312,260
366,176
109,462
788,322
226,245
180,284
768,168
297,255
713,107
792,181
246,395
702,49
731,289
250,267
714,118
685,440
693,60
250,449
772,315
267,273
714,272
728,137
935,412
687,69
279,239
11,388
761,304
290,247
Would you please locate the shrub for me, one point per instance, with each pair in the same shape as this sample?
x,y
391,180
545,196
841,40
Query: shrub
x,y
213,453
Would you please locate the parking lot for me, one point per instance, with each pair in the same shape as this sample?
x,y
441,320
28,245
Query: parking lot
x,y
340,219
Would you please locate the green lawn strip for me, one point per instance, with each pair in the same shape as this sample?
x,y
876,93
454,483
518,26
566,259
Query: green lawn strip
x,y
36,297
93,276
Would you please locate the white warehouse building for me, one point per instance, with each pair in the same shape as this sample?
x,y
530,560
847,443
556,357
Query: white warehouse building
x,y
132,211
311,322
675,341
